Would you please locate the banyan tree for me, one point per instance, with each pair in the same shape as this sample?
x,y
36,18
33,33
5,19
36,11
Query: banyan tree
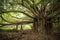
x,y
43,12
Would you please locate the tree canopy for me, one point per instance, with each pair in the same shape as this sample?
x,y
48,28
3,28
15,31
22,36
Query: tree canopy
x,y
12,10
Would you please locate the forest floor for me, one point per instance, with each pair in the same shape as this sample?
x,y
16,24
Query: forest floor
x,y
24,35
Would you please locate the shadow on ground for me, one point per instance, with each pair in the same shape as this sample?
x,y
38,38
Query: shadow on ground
x,y
24,35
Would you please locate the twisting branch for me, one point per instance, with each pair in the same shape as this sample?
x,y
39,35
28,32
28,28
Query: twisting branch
x,y
29,7
54,14
23,22
18,11
5,19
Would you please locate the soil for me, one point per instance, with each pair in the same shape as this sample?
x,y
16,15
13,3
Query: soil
x,y
24,35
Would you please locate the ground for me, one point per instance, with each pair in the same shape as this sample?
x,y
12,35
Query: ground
x,y
24,35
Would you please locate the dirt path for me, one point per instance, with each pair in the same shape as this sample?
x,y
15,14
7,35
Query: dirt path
x,y
25,35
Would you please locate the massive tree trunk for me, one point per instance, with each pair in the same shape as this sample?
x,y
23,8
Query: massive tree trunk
x,y
39,25
43,27
35,25
49,26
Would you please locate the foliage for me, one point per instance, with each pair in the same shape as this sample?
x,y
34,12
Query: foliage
x,y
11,10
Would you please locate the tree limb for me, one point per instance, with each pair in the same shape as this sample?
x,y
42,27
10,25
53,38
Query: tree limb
x,y
23,22
18,11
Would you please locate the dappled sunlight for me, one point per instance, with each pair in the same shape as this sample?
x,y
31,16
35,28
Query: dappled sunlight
x,y
16,17
12,27
20,15
28,26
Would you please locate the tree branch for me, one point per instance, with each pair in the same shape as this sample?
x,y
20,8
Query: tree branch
x,y
29,7
5,19
18,11
54,14
23,22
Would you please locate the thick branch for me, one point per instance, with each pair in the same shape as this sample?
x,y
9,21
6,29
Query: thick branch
x,y
54,14
23,22
5,19
29,7
18,11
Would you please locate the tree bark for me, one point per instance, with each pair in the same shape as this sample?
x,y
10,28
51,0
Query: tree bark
x,y
39,25
16,27
35,25
49,26
43,27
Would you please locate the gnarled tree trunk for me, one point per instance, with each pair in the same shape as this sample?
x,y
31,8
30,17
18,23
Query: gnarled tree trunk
x,y
39,25
43,27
